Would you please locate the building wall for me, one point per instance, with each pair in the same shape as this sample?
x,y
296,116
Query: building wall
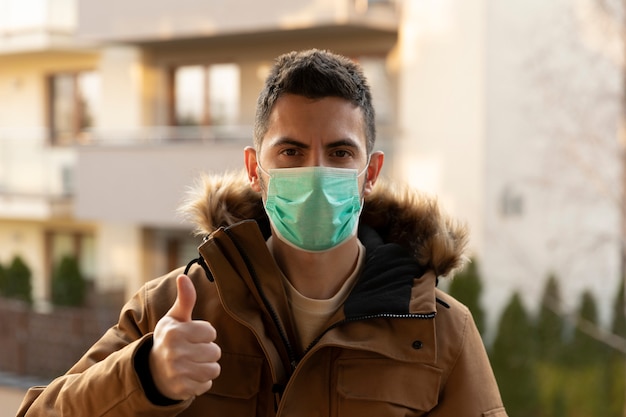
x,y
440,147
497,115
123,77
509,112
552,155
132,179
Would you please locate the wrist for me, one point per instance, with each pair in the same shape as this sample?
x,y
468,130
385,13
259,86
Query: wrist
x,y
144,374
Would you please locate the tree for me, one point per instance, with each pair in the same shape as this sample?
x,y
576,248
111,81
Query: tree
x,y
587,361
585,174
3,280
549,330
18,281
513,358
577,64
584,348
467,287
617,366
619,313
68,284
550,325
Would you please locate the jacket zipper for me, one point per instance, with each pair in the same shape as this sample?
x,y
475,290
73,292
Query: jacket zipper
x,y
418,316
291,353
293,360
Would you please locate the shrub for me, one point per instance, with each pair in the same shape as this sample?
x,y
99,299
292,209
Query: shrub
x,y
585,349
588,358
3,280
512,357
550,324
17,279
68,284
467,287
617,365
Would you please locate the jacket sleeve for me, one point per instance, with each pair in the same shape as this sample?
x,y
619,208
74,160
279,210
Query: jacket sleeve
x,y
105,382
470,389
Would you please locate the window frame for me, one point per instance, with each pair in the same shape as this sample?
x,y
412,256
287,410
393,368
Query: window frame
x,y
77,133
206,117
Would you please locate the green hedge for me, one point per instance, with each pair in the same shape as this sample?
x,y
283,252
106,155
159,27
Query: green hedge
x,y
15,280
544,364
68,284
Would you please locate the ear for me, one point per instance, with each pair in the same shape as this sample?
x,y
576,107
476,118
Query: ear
x,y
249,156
373,171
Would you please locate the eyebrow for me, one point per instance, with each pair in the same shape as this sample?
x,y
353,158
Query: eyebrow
x,y
335,144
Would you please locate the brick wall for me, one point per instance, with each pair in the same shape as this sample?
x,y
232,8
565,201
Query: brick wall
x,y
47,345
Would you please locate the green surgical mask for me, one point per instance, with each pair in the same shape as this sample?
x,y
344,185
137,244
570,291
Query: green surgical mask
x,y
313,208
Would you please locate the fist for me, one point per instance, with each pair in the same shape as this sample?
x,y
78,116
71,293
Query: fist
x,y
183,359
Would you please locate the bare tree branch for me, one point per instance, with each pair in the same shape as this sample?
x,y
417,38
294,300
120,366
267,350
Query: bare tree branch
x,y
589,328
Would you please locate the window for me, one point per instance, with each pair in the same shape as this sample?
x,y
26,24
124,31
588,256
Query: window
x,y
78,244
511,202
362,6
74,100
205,95
166,250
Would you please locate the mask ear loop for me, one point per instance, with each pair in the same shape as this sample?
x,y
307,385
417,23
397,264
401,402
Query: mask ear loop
x,y
364,170
258,163
261,182
367,165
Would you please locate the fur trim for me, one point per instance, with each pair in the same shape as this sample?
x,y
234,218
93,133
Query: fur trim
x,y
221,200
413,219
398,213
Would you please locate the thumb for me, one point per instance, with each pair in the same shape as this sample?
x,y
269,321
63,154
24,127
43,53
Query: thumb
x,y
185,299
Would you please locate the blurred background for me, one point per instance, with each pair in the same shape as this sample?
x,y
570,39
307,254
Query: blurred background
x,y
510,112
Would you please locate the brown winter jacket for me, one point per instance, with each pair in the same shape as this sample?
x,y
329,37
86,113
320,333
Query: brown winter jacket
x,y
398,347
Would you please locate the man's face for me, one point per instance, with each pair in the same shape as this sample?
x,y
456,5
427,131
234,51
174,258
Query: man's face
x,y
306,132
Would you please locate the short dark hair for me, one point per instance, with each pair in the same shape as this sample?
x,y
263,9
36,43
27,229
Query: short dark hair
x,y
315,74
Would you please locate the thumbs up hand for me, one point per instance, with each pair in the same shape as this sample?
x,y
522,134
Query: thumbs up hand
x,y
183,359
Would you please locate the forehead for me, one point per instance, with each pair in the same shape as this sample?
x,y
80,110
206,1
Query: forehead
x,y
314,120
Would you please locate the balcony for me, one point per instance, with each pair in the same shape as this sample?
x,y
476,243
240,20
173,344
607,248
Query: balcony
x,y
149,21
37,25
138,175
141,175
36,181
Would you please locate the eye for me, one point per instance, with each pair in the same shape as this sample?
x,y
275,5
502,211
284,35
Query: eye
x,y
342,153
290,152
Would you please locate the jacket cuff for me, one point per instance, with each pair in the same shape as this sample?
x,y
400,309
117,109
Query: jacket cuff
x,y
141,364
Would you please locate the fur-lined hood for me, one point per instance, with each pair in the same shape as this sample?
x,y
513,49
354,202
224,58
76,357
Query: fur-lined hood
x,y
398,213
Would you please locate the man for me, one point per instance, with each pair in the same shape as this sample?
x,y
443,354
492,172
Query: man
x,y
314,294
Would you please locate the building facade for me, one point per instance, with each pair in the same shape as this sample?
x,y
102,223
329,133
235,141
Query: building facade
x,y
110,110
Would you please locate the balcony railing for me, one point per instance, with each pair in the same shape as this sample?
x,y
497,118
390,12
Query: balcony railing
x,y
29,166
39,180
168,135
